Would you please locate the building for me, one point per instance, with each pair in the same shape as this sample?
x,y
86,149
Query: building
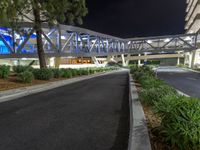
x,y
193,16
192,25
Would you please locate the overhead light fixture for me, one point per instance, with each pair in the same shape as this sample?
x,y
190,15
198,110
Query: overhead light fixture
x,y
166,40
63,37
149,41
188,38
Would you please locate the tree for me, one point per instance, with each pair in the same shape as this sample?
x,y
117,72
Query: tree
x,y
43,11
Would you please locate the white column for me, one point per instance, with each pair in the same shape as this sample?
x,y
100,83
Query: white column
x,y
178,60
145,61
123,60
52,62
96,62
139,61
193,60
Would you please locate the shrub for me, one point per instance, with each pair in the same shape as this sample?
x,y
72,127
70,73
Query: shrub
x,y
57,73
152,95
20,69
91,71
139,72
43,74
148,82
74,72
4,71
66,73
133,69
26,77
84,72
180,125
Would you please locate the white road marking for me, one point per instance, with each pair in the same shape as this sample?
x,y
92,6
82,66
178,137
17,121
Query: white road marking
x,y
191,79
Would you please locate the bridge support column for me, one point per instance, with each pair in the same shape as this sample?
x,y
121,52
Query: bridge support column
x,y
96,62
123,60
145,60
195,62
139,61
57,61
127,61
178,60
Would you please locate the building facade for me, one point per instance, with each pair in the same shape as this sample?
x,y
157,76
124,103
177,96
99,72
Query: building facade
x,y
192,25
193,16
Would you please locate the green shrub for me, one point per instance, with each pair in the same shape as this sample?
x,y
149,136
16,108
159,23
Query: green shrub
x,y
139,72
19,68
85,72
180,125
148,82
67,73
91,71
4,71
74,72
43,74
152,95
57,73
26,77
133,69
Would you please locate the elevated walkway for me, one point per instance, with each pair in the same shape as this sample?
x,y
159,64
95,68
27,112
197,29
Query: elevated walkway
x,y
63,41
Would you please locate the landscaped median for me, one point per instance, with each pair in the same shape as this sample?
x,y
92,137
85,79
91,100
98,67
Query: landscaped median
x,y
42,85
22,76
173,120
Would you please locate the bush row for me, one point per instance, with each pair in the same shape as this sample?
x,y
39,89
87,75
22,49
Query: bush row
x,y
4,71
180,115
26,73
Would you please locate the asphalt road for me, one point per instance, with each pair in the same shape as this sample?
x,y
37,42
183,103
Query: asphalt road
x,y
88,115
185,81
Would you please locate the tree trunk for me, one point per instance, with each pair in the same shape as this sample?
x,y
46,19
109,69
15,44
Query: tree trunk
x,y
38,28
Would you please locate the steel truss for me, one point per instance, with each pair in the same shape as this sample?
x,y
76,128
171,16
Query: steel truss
x,y
60,40
173,43
63,40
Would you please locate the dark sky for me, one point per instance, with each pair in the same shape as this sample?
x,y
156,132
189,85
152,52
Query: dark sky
x,y
136,18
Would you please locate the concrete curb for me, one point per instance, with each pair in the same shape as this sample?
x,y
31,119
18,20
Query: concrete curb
x,y
181,93
188,69
25,91
139,136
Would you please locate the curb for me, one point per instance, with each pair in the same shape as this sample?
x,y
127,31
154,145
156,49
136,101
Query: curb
x,y
181,93
188,69
25,91
139,136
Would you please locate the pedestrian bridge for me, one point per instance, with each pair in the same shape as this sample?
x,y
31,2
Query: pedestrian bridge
x,y
63,40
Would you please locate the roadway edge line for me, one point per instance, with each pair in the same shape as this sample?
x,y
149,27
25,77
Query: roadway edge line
x,y
25,91
138,135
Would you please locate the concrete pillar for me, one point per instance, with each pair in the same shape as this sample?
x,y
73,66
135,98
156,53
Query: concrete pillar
x,y
190,60
193,55
178,60
127,60
145,61
123,60
139,61
195,58
51,62
57,62
96,62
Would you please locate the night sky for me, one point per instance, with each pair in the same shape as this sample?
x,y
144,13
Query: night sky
x,y
136,18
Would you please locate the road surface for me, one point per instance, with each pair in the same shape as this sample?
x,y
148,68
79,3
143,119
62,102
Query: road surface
x,y
88,115
185,81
